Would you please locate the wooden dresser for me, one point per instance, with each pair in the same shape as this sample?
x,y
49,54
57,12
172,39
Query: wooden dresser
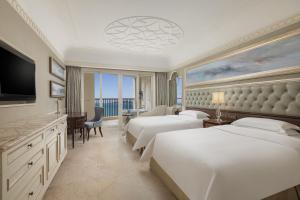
x,y
31,150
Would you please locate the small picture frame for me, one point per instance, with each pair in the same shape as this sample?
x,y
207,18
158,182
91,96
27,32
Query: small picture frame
x,y
56,69
57,90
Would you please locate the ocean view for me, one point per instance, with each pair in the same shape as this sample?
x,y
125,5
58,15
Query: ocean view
x,y
111,105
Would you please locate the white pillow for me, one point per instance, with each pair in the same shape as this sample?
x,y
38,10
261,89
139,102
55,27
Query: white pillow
x,y
268,124
194,113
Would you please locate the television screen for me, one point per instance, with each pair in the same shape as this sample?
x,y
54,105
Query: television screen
x,y
17,75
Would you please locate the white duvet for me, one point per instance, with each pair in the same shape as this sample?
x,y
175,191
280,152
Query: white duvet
x,y
228,162
145,128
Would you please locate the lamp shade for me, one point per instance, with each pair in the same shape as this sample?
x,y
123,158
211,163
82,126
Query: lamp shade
x,y
217,97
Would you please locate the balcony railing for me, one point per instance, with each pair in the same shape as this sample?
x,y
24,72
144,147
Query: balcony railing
x,y
111,105
179,101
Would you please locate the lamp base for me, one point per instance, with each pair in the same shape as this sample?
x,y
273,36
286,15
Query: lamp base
x,y
218,114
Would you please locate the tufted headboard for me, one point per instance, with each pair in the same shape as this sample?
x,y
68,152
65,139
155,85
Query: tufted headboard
x,y
272,98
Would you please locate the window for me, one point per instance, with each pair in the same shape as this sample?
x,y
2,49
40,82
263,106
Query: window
x,y
179,91
110,94
106,90
106,93
128,92
97,90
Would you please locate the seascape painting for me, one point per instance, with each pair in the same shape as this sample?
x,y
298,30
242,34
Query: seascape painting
x,y
56,69
280,54
56,90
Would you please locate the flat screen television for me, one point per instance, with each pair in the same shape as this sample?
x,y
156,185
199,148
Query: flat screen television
x,y
17,75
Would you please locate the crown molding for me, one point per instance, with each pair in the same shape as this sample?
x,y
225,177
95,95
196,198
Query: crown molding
x,y
236,44
114,67
18,8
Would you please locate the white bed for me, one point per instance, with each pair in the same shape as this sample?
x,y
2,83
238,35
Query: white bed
x,y
145,128
228,162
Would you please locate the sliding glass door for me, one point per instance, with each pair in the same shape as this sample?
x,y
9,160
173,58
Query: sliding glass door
x,y
128,92
115,93
97,91
110,95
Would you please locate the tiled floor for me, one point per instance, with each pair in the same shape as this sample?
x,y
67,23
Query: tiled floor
x,y
105,169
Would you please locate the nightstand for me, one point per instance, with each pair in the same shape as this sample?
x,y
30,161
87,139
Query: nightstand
x,y
214,122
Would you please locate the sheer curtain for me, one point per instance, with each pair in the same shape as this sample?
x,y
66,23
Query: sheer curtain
x,y
161,87
73,89
145,88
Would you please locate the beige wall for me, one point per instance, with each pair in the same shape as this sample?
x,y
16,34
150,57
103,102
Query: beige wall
x,y
89,103
15,32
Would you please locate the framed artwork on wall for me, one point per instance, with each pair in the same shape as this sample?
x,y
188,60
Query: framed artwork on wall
x,y
275,56
56,69
56,90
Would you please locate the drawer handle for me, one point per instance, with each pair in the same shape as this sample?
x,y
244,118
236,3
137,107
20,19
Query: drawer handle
x,y
29,145
30,193
30,163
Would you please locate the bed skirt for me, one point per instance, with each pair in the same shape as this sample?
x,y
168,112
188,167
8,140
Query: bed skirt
x,y
289,194
130,139
156,169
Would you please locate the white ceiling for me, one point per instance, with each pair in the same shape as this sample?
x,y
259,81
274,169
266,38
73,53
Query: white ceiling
x,y
76,27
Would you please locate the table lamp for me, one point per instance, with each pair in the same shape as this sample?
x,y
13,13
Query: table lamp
x,y
218,99
178,109
57,105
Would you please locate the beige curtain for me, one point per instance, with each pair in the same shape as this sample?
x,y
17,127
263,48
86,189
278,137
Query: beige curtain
x,y
173,90
161,87
73,89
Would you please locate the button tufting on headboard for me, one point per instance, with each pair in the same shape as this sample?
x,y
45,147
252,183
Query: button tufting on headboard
x,y
281,98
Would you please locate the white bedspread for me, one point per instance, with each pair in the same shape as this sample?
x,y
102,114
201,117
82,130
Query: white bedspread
x,y
145,128
228,162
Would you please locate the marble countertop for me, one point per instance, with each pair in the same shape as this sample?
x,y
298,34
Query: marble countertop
x,y
13,133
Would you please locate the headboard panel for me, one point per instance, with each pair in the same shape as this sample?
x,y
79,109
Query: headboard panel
x,y
276,99
234,115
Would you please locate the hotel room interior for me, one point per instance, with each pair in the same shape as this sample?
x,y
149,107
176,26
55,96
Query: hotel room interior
x,y
150,100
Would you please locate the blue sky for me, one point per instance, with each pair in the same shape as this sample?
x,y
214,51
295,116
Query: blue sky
x,y
179,87
110,86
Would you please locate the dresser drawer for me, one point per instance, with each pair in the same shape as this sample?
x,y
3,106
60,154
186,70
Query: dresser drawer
x,y
26,181
51,132
26,147
17,171
62,125
34,188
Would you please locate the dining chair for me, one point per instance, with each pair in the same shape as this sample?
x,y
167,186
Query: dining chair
x,y
96,122
80,125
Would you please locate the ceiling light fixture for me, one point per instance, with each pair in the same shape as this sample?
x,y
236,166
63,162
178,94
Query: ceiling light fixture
x,y
143,33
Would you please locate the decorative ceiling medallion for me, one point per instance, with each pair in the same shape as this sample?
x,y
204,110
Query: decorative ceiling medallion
x,y
143,33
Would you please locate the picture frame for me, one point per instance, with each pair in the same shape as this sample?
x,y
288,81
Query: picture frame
x,y
57,90
56,69
239,64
